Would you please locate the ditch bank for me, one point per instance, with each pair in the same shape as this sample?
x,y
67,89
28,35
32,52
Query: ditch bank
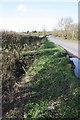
x,y
76,63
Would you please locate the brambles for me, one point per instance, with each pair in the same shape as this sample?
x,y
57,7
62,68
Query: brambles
x,y
14,64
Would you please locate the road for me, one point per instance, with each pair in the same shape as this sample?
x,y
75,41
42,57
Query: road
x,y
71,47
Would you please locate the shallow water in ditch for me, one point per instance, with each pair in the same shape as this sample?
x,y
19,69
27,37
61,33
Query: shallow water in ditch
x,y
76,62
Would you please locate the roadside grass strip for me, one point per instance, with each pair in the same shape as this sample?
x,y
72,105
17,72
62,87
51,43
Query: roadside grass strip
x,y
54,86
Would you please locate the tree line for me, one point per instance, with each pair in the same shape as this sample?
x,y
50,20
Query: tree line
x,y
67,29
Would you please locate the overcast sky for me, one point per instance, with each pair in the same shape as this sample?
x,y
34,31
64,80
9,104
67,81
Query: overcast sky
x,y
23,16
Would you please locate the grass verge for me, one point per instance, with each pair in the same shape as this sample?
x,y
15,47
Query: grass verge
x,y
70,40
54,88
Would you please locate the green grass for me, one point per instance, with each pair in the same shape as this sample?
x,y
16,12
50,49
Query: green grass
x,y
74,41
53,82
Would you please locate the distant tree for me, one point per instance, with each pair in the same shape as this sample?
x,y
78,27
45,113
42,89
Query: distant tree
x,y
44,30
65,25
75,31
27,31
61,23
34,31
